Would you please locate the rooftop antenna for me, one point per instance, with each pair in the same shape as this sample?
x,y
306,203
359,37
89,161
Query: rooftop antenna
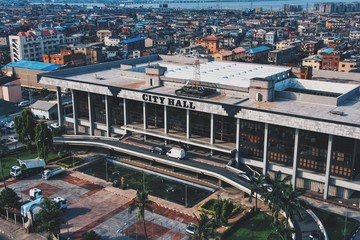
x,y
197,71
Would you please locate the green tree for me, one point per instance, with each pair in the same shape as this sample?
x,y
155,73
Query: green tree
x,y
43,140
49,218
141,202
9,199
274,199
92,235
3,150
205,227
25,127
257,186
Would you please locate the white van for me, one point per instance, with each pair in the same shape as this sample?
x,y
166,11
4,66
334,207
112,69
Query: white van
x,y
178,153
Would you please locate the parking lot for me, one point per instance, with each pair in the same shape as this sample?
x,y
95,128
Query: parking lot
x,y
94,204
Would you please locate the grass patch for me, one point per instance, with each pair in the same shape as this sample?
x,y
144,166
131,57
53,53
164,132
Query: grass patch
x,y
258,227
335,224
11,160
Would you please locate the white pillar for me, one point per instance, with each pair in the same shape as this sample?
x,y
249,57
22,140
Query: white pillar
x,y
212,139
91,119
188,134
237,156
75,114
328,165
165,120
125,112
59,105
295,156
144,115
266,131
107,111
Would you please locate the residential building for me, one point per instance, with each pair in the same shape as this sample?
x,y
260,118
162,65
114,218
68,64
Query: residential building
x,y
93,54
102,34
348,65
133,44
313,61
354,35
330,62
280,56
65,57
256,54
270,38
31,45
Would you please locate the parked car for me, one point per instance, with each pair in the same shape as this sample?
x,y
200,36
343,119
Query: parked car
x,y
244,176
158,150
10,124
191,228
24,103
55,125
12,139
315,235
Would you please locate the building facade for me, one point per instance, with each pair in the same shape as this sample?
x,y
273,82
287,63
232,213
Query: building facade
x,y
257,114
31,45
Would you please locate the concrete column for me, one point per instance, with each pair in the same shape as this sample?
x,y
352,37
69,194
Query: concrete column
x,y
237,154
188,133
212,139
108,121
165,120
266,131
125,122
75,114
295,156
91,118
144,115
59,105
328,165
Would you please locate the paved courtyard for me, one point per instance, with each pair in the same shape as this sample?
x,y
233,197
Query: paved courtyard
x,y
94,204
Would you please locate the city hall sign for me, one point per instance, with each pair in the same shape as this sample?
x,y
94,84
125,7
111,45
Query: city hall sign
x,y
168,101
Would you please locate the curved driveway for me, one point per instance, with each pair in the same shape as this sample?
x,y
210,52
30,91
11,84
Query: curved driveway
x,y
304,224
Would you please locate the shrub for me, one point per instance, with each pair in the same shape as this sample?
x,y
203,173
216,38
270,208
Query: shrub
x,y
70,162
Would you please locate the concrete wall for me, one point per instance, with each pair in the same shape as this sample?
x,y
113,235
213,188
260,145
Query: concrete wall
x,y
335,75
303,97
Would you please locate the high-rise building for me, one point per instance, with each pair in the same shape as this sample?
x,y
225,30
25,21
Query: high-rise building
x,y
31,45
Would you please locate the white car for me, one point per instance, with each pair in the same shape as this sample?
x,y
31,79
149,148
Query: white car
x,y
10,124
55,125
191,228
244,176
12,139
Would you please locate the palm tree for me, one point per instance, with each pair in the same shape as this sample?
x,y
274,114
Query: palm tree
x,y
257,186
291,202
205,228
275,198
141,203
223,211
282,231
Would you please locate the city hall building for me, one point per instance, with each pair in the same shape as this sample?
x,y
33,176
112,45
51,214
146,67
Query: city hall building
x,y
260,115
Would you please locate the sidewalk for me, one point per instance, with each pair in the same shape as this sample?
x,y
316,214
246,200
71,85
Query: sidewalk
x,y
13,231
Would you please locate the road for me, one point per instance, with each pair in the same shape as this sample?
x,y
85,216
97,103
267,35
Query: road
x,y
304,224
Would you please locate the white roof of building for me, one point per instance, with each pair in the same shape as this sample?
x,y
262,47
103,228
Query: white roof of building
x,y
42,105
223,72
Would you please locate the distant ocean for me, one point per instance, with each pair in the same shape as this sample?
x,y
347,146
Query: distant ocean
x,y
202,4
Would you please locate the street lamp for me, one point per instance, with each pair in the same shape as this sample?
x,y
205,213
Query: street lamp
x,y
346,213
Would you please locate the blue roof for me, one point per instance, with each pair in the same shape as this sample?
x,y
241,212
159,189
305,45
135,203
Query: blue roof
x,y
258,49
131,40
327,50
34,65
142,23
